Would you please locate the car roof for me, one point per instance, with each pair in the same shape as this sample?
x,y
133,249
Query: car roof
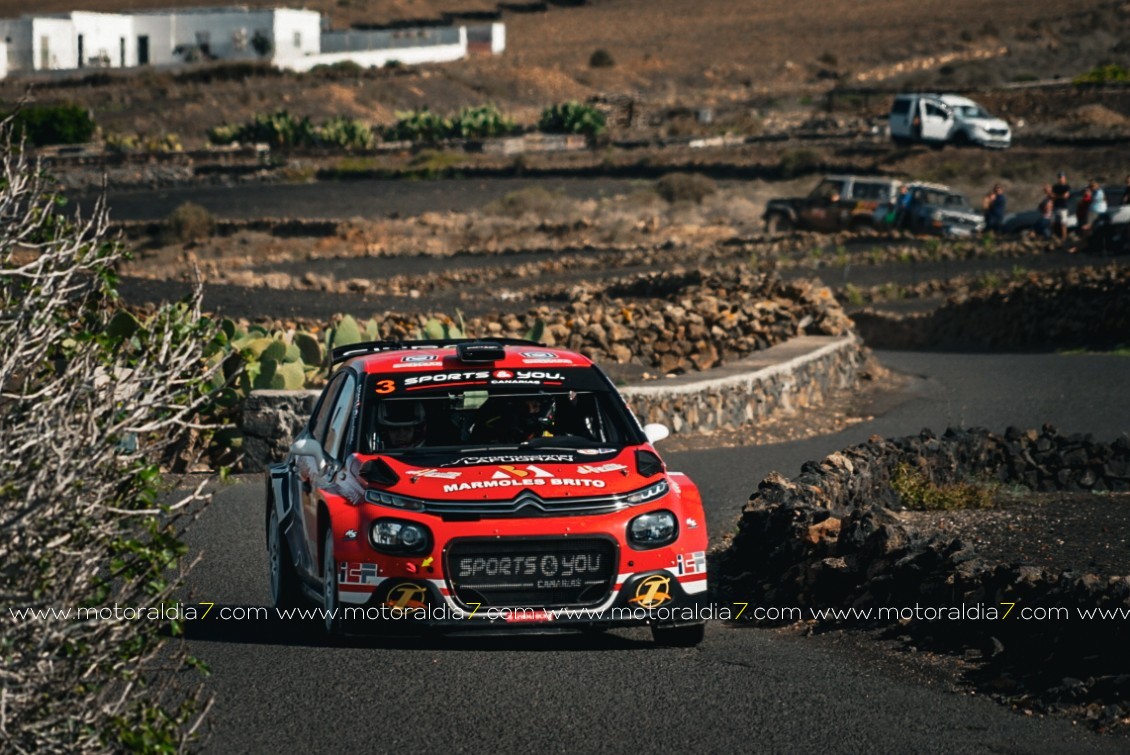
x,y
953,100
850,177
454,354
932,186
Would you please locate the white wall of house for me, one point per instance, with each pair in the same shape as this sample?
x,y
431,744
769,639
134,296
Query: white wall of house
x,y
297,34
163,38
153,37
497,38
16,35
352,46
3,56
107,40
52,44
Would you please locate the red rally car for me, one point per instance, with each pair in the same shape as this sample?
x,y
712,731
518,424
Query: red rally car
x,y
463,485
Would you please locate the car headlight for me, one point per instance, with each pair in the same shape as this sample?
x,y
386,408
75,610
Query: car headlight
x,y
398,536
390,499
653,529
649,493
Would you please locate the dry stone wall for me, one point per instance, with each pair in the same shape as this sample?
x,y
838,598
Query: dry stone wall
x,y
781,379
1081,308
832,537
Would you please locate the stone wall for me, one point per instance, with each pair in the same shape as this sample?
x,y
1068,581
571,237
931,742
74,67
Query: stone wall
x,y
796,374
1081,308
780,379
832,537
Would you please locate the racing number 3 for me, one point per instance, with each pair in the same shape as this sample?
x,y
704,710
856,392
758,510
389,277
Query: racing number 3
x,y
385,386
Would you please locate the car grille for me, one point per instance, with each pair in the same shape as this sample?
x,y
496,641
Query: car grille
x,y
528,503
531,573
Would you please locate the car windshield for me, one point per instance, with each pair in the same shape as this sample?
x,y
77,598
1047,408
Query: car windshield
x,y
486,410
939,198
972,111
827,188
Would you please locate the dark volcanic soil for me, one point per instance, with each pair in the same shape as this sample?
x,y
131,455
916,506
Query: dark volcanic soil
x,y
1082,533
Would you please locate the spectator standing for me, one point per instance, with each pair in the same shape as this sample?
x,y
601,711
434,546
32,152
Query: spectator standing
x,y
995,205
1099,207
1082,210
1044,224
903,205
1060,192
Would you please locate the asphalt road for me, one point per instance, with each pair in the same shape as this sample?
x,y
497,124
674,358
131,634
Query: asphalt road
x,y
277,688
368,198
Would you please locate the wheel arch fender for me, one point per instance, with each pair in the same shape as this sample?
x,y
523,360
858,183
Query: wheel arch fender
x,y
690,506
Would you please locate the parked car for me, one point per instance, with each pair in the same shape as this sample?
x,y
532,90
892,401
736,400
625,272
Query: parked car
x,y
463,485
1026,221
940,119
837,203
940,210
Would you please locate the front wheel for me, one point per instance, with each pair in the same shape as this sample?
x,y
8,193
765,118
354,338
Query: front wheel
x,y
685,636
285,590
331,606
778,223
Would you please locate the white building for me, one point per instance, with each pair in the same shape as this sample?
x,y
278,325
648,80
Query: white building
x,y
288,38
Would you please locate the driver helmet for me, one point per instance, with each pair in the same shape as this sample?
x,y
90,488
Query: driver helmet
x,y
533,414
403,423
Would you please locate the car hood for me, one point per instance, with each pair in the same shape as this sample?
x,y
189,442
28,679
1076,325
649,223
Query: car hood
x,y
503,476
988,123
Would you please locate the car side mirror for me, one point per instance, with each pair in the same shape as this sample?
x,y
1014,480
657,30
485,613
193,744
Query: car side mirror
x,y
309,447
655,432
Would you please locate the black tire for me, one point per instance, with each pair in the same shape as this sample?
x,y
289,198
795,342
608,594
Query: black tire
x,y
961,139
331,605
860,224
778,223
684,636
286,592
901,141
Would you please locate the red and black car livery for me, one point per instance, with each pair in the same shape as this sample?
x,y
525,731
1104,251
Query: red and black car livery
x,y
470,484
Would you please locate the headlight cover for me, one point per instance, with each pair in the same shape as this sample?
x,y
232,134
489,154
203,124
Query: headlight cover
x,y
399,537
653,529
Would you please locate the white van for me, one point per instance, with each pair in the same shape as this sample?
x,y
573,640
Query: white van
x,y
940,119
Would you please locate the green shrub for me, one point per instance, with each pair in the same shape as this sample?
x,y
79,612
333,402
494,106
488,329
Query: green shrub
x,y
919,493
281,129
1111,73
187,223
42,125
92,524
572,118
685,187
482,122
419,126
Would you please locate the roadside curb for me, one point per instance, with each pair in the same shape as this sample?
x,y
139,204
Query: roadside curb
x,y
780,379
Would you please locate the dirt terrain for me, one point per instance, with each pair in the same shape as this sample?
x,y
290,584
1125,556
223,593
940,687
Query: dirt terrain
x,y
756,66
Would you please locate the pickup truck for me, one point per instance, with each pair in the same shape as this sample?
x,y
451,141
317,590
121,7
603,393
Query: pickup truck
x,y
838,203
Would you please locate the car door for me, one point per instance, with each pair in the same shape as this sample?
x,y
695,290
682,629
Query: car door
x,y
937,120
311,472
819,212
